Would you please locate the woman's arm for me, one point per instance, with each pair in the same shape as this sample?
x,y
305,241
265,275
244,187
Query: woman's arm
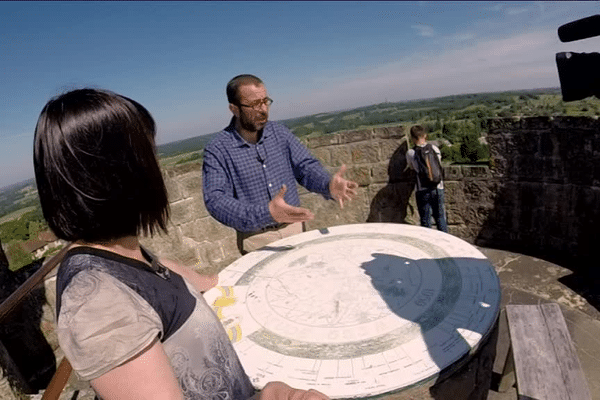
x,y
147,376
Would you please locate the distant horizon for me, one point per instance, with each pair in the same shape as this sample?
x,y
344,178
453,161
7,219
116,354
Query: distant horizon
x,y
23,181
176,58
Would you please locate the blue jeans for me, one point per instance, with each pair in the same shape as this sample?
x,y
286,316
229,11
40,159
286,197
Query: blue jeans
x,y
431,202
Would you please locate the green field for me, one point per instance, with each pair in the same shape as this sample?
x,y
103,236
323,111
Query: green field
x,y
16,214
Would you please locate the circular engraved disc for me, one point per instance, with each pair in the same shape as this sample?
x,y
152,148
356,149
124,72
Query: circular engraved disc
x,y
357,310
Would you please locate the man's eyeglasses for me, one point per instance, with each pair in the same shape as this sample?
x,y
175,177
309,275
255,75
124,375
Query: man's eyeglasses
x,y
258,103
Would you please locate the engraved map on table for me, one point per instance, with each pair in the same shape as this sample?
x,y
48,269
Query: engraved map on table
x,y
357,310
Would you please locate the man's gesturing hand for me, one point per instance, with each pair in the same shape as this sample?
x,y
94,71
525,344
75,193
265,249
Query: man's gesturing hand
x,y
282,212
342,189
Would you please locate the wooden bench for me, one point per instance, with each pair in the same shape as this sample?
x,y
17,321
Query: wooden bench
x,y
542,356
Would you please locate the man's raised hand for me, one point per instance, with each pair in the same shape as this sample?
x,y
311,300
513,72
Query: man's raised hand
x,y
342,189
282,212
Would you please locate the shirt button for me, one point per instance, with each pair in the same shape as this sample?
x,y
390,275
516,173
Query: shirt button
x,y
270,185
264,166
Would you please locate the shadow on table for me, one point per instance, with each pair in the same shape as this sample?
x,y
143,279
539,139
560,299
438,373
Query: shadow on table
x,y
397,279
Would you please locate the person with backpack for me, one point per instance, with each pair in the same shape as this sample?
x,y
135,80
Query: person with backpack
x,y
425,158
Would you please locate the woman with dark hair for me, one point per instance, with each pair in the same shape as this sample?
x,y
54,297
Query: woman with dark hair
x,y
134,326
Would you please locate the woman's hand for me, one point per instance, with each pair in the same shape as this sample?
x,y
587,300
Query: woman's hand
x,y
283,391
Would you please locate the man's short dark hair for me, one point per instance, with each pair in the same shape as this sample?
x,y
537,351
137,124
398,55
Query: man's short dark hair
x,y
96,169
417,132
235,83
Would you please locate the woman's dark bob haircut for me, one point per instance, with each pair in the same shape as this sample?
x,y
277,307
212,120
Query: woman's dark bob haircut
x,y
96,169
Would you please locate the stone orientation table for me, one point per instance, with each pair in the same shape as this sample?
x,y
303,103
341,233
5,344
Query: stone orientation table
x,y
357,310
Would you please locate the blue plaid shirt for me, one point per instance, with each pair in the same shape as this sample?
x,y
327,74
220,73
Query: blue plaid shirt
x,y
239,179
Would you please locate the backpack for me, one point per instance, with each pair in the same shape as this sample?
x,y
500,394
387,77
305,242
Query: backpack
x,y
430,170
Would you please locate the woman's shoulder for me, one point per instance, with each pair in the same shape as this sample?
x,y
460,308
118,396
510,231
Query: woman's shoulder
x,y
103,322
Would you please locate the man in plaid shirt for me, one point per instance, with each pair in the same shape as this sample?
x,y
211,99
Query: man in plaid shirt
x,y
251,168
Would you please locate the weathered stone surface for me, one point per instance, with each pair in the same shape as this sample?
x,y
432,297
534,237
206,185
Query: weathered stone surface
x,y
380,173
172,186
325,140
360,174
183,211
388,132
389,147
355,136
341,155
365,153
322,154
191,183
452,172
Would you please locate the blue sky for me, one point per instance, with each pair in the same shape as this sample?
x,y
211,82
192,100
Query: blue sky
x,y
175,58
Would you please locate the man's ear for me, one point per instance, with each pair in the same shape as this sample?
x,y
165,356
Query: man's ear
x,y
235,110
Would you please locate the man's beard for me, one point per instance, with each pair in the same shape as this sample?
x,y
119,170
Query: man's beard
x,y
250,124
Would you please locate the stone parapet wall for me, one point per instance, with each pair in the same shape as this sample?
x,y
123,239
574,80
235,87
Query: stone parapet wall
x,y
548,197
540,195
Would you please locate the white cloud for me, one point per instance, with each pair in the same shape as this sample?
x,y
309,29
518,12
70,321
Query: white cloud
x,y
462,37
515,11
520,62
424,30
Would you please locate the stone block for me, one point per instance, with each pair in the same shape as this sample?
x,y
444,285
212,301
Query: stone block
x,y
452,172
474,171
205,229
476,215
191,184
170,246
325,140
576,123
507,195
526,142
542,123
214,256
172,186
388,132
497,144
183,211
365,153
323,155
530,195
577,168
200,207
587,204
359,174
329,213
553,170
355,136
549,145
454,214
454,192
380,173
340,155
502,125
183,169
390,147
